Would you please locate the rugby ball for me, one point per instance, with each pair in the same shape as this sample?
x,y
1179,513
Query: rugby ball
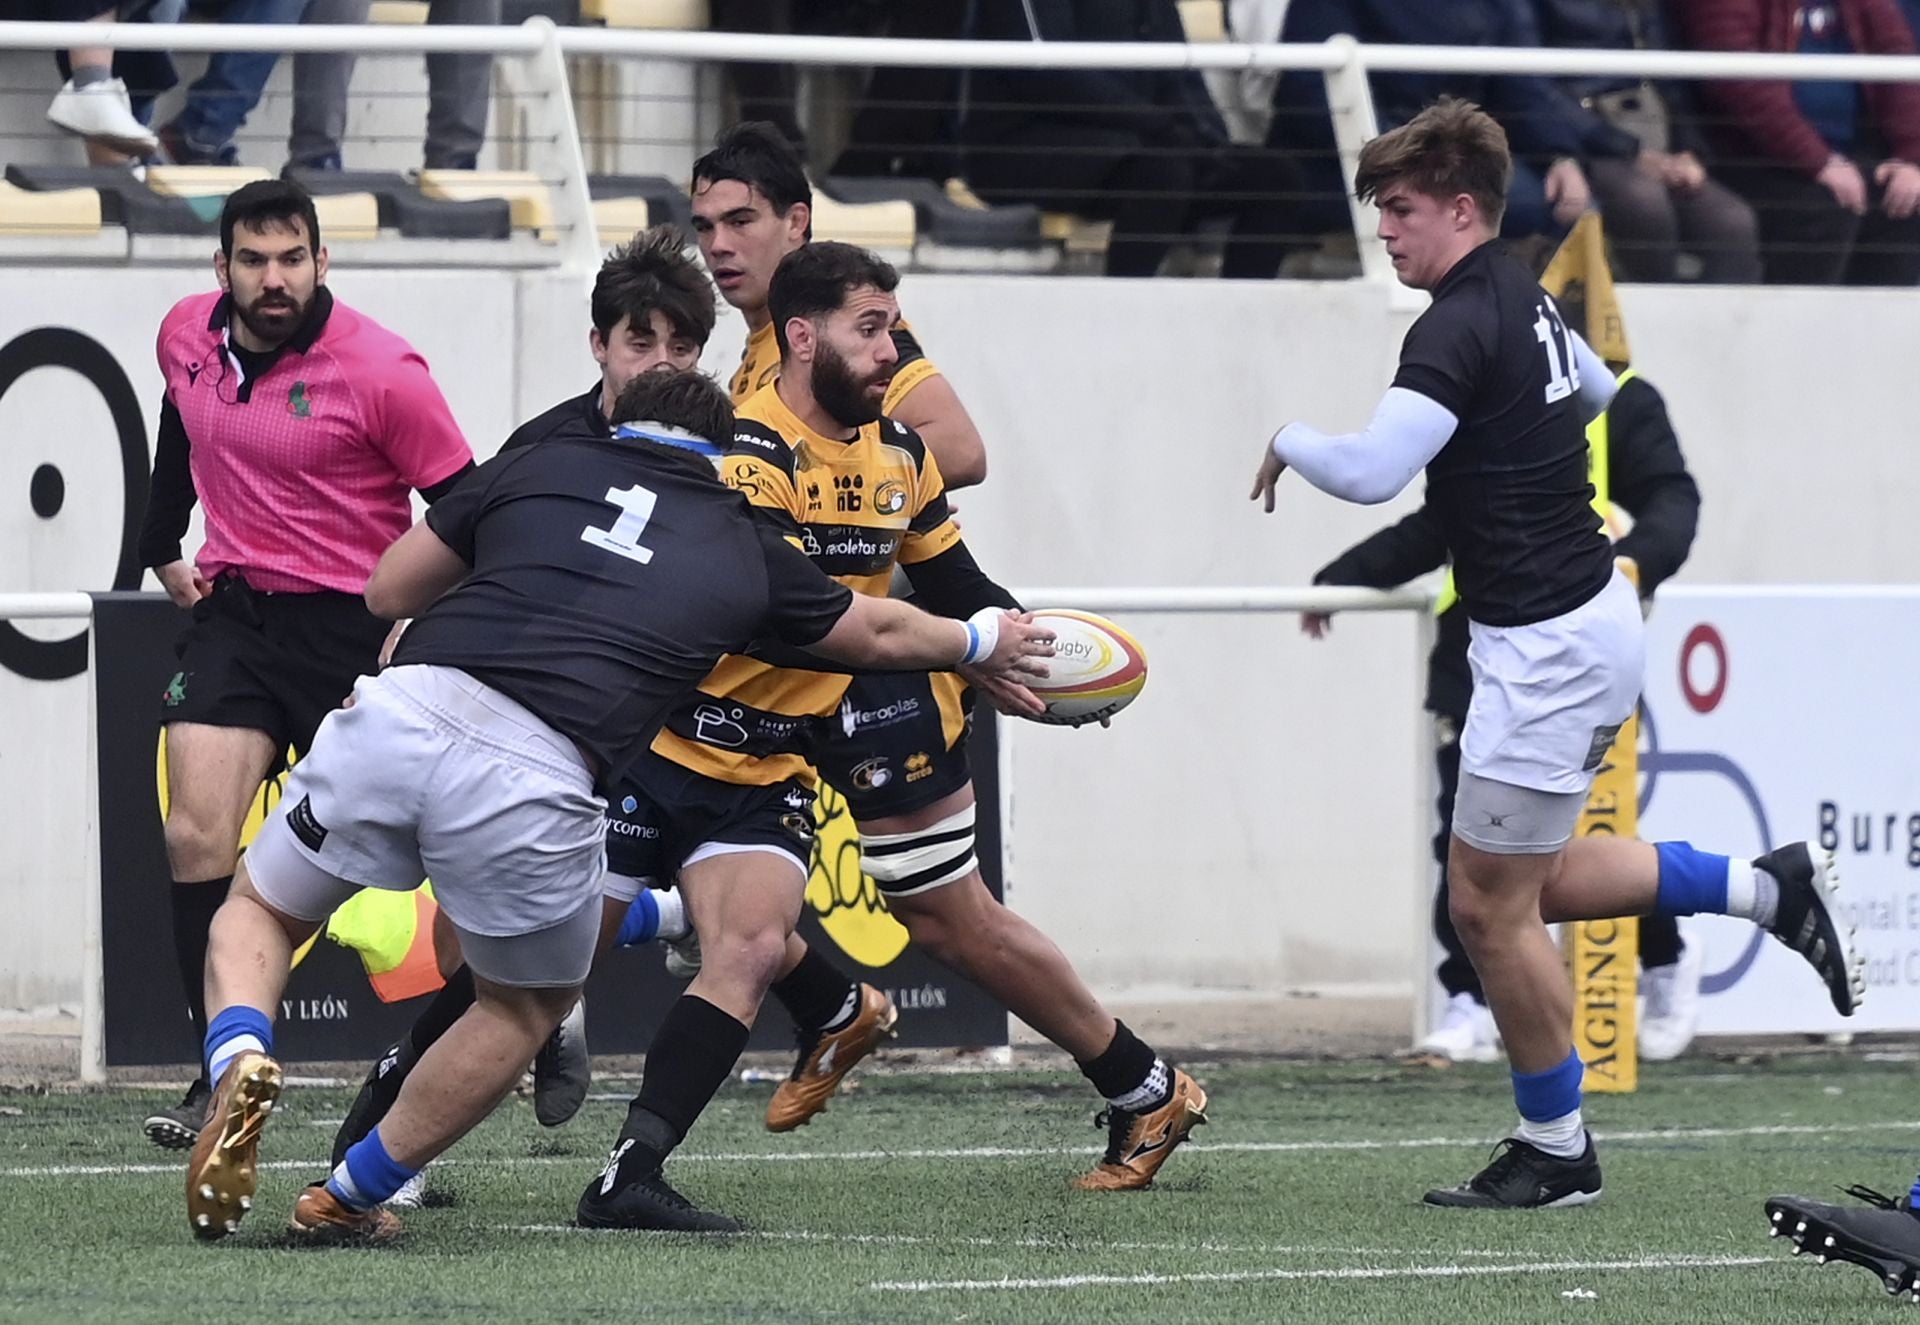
x,y
1096,670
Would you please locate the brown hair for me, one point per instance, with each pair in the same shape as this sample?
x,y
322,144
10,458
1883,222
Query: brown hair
x,y
1451,147
653,271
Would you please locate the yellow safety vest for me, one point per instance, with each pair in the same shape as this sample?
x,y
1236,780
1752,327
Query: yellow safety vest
x,y
1597,474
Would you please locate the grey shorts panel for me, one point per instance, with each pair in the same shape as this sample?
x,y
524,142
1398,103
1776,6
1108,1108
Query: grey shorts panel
x,y
1507,820
552,958
288,878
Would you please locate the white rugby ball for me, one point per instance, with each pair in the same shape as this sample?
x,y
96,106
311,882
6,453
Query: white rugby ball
x,y
1096,670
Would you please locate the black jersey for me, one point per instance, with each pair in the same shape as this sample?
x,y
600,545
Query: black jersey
x,y
608,578
1510,488
577,418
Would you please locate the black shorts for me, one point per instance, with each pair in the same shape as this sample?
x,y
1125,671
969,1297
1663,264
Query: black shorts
x,y
274,662
898,743
662,814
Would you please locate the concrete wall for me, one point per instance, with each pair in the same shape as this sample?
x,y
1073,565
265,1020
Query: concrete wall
x,y
1253,820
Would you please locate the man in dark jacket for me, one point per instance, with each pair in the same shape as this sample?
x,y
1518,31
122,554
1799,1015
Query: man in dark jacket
x,y
1832,168
1659,200
1550,133
1649,480
1146,149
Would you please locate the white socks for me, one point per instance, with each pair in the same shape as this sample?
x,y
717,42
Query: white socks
x,y
1752,894
1565,1137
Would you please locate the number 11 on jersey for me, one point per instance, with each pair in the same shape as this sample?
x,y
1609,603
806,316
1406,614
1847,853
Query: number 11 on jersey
x,y
1563,372
623,540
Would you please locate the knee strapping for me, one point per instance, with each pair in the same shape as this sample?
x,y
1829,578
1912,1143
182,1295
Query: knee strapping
x,y
926,858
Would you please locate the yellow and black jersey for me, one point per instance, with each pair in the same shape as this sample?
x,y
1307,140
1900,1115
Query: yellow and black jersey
x,y
760,364
856,507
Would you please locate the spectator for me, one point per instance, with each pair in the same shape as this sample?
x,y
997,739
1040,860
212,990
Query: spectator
x,y
1146,149
220,100
1829,167
1549,133
93,102
1660,199
459,89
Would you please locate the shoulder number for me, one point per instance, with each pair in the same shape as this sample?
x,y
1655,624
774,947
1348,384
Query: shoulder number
x,y
1563,372
623,539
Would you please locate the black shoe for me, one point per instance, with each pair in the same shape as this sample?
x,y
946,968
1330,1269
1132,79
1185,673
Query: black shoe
x,y
1805,922
179,1127
1525,1177
377,1094
1884,1239
562,1070
642,1198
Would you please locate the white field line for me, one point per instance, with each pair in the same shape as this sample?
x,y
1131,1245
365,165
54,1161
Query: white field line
x,y
1029,1152
1342,1272
1039,1244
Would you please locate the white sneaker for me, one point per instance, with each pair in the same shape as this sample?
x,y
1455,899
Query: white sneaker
x,y
412,1194
102,111
683,956
1465,1033
1670,1004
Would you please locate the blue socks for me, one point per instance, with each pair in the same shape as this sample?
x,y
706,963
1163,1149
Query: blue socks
x,y
1550,1108
641,922
368,1176
1691,882
232,1033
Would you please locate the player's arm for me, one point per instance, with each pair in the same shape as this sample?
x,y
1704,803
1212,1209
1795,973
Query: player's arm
x,y
926,402
438,552
810,611
1370,466
170,502
1651,483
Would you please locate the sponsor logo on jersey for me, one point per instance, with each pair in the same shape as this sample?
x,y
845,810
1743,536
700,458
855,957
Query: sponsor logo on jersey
x,y
890,498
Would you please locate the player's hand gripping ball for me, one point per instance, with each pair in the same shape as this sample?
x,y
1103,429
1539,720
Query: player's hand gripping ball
x,y
1096,670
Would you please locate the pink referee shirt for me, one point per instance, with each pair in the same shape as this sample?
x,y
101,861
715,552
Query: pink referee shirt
x,y
305,473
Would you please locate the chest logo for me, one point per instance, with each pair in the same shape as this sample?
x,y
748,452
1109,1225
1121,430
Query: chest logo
x,y
890,498
299,403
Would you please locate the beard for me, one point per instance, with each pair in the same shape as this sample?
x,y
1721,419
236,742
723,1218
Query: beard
x,y
840,393
274,317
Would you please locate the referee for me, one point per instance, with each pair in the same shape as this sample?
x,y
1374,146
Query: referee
x,y
303,428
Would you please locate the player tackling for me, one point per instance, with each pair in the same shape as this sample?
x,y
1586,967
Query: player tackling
x,y
1491,399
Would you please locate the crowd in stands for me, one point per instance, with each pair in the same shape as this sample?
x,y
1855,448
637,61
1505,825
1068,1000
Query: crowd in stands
x,y
1811,182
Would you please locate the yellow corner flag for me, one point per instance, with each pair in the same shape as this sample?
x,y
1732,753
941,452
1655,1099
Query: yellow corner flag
x,y
1580,280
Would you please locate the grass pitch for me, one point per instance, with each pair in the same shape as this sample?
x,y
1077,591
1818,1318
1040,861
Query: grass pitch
x,y
943,1198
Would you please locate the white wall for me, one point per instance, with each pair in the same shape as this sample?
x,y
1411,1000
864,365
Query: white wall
x,y
1252,820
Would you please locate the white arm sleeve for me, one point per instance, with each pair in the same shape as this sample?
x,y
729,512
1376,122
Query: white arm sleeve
x,y
1596,379
1374,464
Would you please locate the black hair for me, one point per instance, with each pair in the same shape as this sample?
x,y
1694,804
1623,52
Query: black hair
x,y
688,400
758,156
275,201
814,281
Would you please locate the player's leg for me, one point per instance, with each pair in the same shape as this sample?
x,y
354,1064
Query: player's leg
x,y
1466,1032
504,820
743,903
954,918
1789,892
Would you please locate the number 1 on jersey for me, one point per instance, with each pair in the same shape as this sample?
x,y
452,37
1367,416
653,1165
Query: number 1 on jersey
x,y
623,540
1563,373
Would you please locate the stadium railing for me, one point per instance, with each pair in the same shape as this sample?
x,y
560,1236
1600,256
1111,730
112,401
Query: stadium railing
x,y
539,54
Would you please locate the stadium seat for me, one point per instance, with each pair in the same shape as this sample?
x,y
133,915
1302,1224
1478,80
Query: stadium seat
x,y
683,15
397,11
943,216
618,219
401,206
885,226
58,213
124,200
666,201
198,183
526,194
1204,20
1084,240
